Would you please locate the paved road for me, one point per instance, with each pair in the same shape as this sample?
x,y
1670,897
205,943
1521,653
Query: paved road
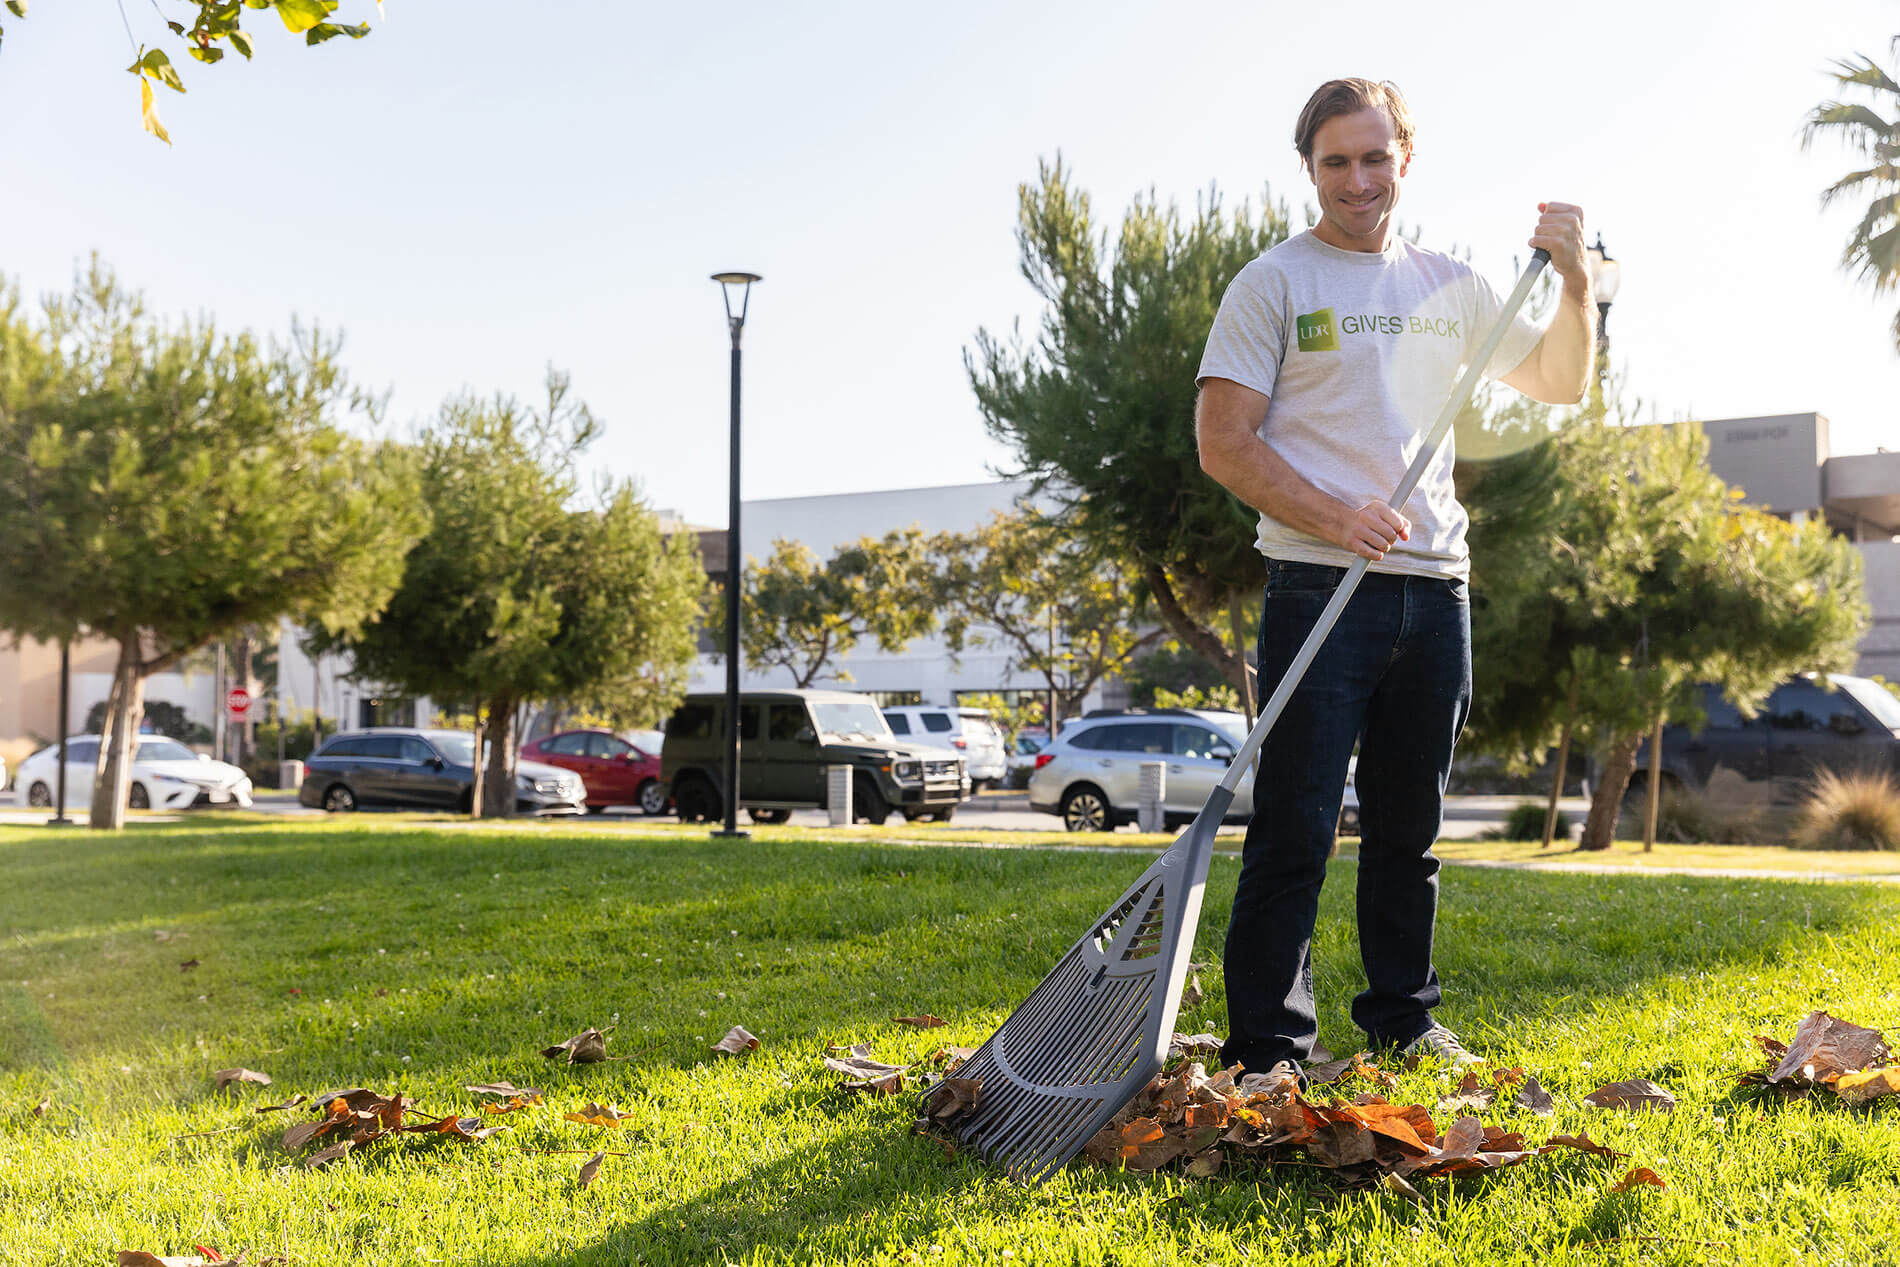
x,y
1465,816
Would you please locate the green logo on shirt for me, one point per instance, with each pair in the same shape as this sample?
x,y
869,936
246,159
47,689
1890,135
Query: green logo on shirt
x,y
1318,331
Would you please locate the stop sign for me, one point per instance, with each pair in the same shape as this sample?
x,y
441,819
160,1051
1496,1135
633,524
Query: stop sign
x,y
237,701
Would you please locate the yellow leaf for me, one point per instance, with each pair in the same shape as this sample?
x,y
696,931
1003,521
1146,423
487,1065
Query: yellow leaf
x,y
1871,1084
148,113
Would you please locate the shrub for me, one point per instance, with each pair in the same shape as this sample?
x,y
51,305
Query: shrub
x,y
1526,822
1859,810
1687,817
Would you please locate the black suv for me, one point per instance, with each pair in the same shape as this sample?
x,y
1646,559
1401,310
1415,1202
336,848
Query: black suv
x,y
1802,728
423,769
787,739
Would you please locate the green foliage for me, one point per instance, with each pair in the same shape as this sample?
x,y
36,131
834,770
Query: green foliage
x,y
1223,697
300,737
214,23
1058,602
1525,821
516,595
1872,252
1099,408
801,615
1172,670
1615,560
164,485
162,717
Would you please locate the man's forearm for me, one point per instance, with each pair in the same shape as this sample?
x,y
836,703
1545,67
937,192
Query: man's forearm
x,y
1567,352
1250,469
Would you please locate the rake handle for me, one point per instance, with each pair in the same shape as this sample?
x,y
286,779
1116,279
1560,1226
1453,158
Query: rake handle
x,y
1467,383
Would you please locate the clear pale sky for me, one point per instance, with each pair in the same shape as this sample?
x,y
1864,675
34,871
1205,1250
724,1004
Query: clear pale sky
x,y
481,188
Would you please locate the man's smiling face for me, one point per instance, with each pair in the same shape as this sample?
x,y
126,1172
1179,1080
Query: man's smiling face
x,y
1357,166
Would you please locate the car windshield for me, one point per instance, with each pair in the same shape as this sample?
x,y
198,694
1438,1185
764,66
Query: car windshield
x,y
1877,699
164,750
850,719
457,747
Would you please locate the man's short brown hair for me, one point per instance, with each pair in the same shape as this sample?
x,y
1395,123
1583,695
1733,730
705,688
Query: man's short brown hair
x,y
1349,96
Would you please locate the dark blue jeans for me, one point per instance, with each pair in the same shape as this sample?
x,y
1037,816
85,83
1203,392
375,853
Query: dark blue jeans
x,y
1395,675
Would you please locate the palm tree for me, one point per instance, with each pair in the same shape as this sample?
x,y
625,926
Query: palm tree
x,y
1873,248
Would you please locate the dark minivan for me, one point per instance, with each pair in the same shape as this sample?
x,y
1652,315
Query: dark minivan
x,y
423,769
1843,724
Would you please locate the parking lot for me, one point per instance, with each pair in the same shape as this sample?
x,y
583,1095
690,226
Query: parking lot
x,y
1466,817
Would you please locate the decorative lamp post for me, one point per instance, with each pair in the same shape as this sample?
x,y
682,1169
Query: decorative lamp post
x,y
1605,277
735,322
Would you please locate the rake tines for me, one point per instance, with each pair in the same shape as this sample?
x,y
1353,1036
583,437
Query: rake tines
x,y
1097,1029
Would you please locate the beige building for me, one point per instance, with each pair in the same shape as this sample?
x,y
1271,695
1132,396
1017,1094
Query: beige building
x,y
29,690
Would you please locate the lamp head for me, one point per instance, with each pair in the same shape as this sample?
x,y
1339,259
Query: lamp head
x,y
1605,272
727,280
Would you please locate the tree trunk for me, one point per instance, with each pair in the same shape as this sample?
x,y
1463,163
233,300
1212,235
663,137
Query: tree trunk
x,y
1655,786
125,707
1563,763
1237,622
1606,801
498,779
1206,643
479,785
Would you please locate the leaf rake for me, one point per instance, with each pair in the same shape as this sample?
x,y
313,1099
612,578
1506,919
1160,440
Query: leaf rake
x,y
1097,1029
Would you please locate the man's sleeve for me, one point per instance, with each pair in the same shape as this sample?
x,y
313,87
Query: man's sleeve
x,y
1518,342
1248,340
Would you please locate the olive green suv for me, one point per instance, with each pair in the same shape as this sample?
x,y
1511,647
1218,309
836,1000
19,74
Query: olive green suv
x,y
787,742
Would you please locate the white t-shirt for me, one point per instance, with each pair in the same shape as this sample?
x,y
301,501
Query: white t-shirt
x,y
1357,352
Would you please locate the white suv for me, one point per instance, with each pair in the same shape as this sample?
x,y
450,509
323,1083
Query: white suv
x,y
968,732
1091,773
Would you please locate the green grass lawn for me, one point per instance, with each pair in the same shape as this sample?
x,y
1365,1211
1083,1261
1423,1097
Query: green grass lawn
x,y
401,956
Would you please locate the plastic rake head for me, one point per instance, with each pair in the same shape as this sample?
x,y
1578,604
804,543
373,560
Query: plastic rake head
x,y
1097,1029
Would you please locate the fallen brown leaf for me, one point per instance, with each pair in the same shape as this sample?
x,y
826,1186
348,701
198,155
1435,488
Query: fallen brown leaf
x,y
737,1042
225,1077
597,1115
1825,1047
1634,1093
1191,992
46,1102
867,1074
291,1103
302,1133
140,1258
926,1021
459,1127
585,1048
589,1169
1532,1096
1639,1176
1193,1045
514,1103
503,1089
953,1097
1582,1143
328,1155
188,965
1506,1077
1472,1093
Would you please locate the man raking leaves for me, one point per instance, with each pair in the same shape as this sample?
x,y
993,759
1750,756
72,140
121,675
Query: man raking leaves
x,y
1326,359
1325,364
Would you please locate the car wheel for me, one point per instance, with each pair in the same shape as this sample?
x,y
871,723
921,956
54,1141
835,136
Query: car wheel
x,y
697,800
770,815
1086,809
39,796
944,815
652,797
140,798
868,804
596,809
339,799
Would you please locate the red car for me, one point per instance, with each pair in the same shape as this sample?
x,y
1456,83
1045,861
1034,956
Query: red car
x,y
615,771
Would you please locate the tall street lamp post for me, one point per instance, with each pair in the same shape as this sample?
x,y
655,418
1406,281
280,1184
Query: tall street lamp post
x,y
735,322
1605,276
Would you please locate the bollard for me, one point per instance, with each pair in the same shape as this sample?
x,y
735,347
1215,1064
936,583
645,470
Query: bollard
x,y
838,794
290,775
1150,814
